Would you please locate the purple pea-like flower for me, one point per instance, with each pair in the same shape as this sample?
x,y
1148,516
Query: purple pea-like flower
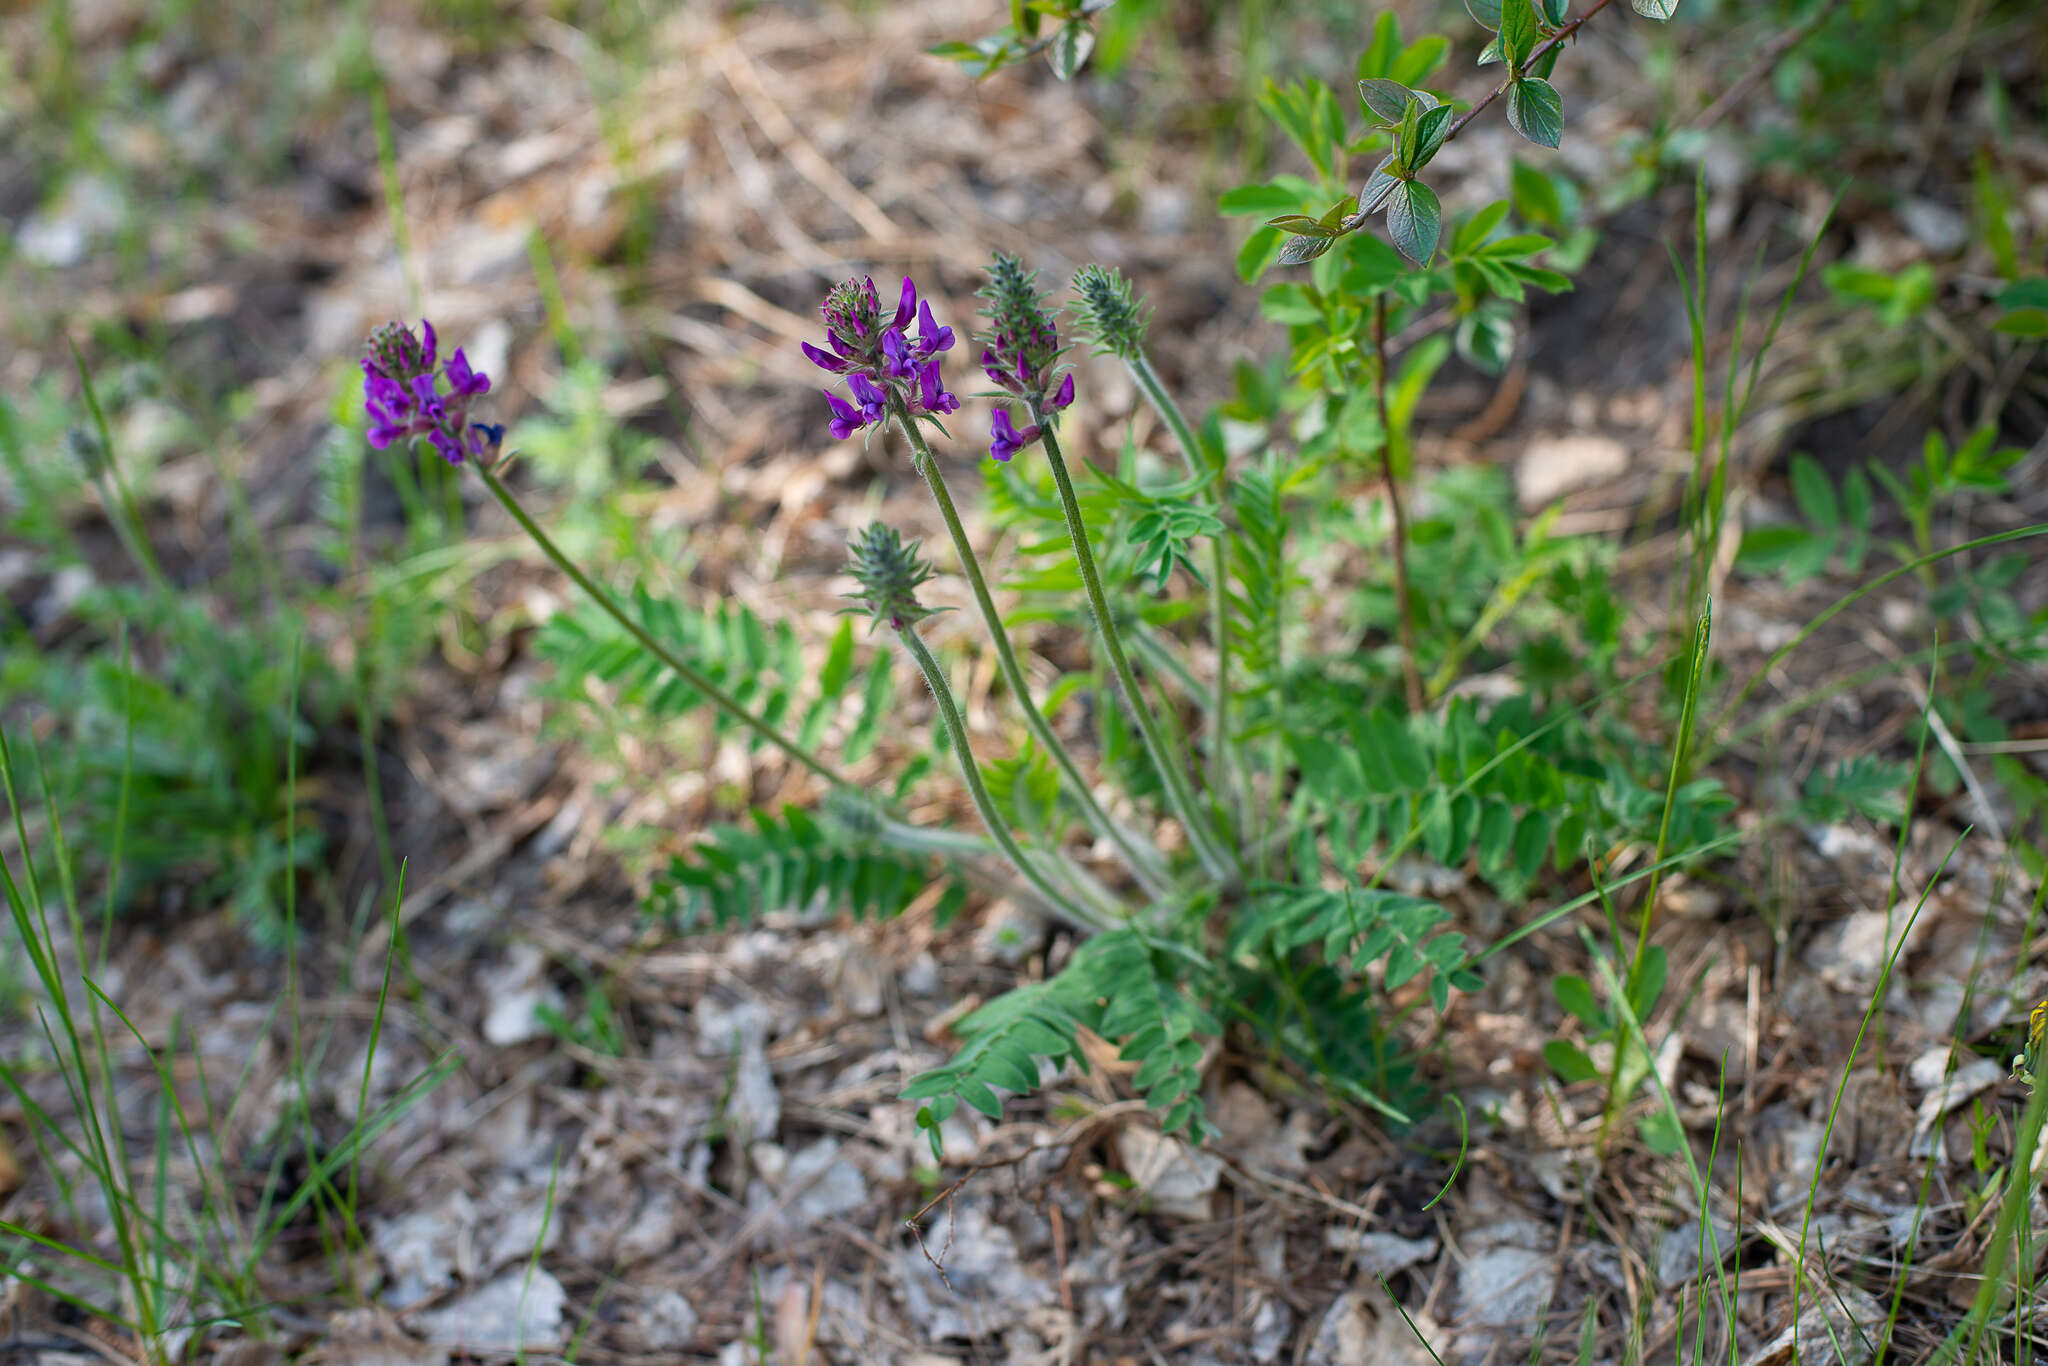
x,y
825,360
1006,439
930,336
874,400
846,419
402,398
934,398
895,353
464,380
885,369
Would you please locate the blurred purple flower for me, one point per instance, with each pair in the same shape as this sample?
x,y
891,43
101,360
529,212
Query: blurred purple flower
x,y
402,398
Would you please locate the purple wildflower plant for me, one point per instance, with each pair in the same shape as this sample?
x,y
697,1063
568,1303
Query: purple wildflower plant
x,y
1021,353
403,399
884,366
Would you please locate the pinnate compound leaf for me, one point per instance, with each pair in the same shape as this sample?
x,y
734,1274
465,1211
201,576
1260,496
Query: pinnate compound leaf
x,y
1415,220
1536,112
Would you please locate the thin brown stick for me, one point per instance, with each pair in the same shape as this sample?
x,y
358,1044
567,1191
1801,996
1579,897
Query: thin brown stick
x,y
1353,222
1557,39
1410,675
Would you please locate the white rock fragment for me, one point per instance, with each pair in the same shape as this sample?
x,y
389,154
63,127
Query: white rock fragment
x,y
1509,1274
520,1311
425,1249
515,992
1678,1252
667,1321
1010,934
1177,1180
740,1033
1378,1254
1836,1331
829,1183
1553,466
990,1292
1946,1091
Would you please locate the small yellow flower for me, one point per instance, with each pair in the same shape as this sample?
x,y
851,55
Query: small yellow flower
x,y
2028,1063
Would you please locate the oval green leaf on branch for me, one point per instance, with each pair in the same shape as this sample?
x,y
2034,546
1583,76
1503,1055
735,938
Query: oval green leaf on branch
x,y
1414,221
1535,111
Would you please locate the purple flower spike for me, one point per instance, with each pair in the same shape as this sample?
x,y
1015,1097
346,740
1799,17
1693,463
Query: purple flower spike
x,y
1007,440
1022,350
886,371
402,398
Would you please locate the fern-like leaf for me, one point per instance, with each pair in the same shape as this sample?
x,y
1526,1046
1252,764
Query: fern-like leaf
x,y
1149,1011
760,664
736,874
1002,1043
1362,925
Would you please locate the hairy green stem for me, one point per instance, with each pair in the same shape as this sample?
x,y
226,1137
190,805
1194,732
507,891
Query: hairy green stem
x,y
1180,796
718,696
1220,774
1143,862
998,829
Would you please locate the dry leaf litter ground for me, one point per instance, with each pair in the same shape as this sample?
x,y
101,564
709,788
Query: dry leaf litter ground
x,y
745,1171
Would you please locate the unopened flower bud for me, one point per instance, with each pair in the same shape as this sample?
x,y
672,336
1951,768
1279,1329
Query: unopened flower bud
x,y
1108,312
889,571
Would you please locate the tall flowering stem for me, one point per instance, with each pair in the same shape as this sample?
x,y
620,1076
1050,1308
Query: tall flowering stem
x,y
1171,765
403,398
893,376
888,572
1111,313
1139,858
718,696
970,773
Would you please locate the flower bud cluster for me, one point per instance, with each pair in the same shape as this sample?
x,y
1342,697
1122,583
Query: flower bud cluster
x,y
889,572
403,400
1108,311
1021,353
878,357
